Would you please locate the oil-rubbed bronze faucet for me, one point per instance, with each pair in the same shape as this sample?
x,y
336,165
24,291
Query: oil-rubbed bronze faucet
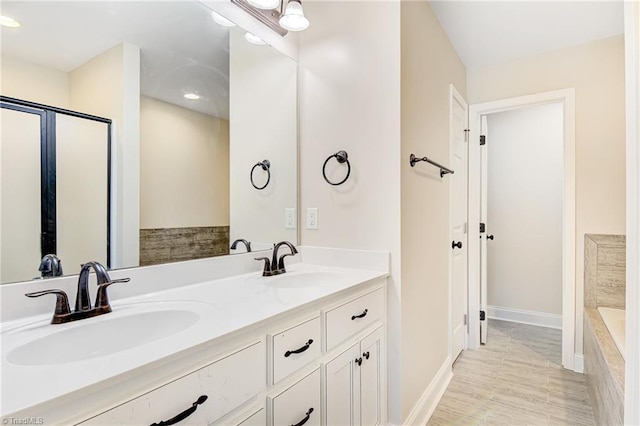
x,y
246,243
276,266
83,308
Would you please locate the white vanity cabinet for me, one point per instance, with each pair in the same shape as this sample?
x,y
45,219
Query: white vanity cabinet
x,y
354,383
321,364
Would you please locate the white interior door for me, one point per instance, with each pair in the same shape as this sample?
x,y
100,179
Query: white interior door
x,y
458,207
484,323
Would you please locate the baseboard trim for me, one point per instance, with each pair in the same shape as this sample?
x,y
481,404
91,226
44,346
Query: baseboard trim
x,y
541,319
578,363
426,405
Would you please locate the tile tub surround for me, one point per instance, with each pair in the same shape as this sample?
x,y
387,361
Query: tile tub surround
x,y
232,288
604,370
162,245
515,379
604,274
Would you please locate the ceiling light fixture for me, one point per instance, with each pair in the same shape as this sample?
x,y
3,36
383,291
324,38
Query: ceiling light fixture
x,y
221,20
7,21
192,96
264,4
293,18
253,39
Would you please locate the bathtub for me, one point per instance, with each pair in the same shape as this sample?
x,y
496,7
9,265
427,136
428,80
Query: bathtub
x,y
614,319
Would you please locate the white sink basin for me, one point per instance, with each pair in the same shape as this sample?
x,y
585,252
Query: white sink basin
x,y
300,279
103,335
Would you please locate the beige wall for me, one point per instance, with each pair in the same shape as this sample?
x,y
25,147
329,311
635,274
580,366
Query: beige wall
x,y
596,71
525,173
350,100
263,117
184,167
35,83
109,86
429,66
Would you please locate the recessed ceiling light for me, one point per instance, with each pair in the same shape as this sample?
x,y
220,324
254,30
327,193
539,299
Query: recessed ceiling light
x,y
192,96
221,20
253,39
7,21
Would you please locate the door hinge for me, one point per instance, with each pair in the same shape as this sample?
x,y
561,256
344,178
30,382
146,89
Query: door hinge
x,y
464,231
483,140
466,135
483,227
465,319
482,316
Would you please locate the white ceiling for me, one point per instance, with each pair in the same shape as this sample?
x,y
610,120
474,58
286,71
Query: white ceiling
x,y
486,32
182,49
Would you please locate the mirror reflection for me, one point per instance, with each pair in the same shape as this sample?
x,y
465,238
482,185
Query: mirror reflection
x,y
130,132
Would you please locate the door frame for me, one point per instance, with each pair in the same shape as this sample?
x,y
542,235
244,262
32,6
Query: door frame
x,y
567,98
632,67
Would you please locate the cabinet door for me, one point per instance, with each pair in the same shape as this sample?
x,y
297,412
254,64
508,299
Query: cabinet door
x,y
342,390
371,377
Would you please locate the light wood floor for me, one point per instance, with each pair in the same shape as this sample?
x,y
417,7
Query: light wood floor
x,y
515,379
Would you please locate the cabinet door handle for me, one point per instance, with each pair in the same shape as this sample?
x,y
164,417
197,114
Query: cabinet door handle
x,y
366,354
359,361
454,244
186,413
362,315
297,351
306,418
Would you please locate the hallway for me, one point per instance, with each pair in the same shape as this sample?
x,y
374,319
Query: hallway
x,y
516,379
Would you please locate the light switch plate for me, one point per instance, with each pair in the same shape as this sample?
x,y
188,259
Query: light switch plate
x,y
312,218
290,218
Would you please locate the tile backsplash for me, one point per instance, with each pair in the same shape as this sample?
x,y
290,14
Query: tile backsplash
x,y
605,270
163,245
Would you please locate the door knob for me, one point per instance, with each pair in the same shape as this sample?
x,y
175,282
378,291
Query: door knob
x,y
454,244
489,237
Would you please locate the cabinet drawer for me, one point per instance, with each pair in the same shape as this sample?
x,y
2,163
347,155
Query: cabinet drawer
x,y
294,348
227,383
299,401
258,418
346,320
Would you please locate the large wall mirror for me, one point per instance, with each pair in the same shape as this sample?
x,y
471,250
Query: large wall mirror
x,y
136,133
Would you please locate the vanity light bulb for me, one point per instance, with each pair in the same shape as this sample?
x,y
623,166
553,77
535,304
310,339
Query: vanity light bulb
x,y
293,18
221,20
9,22
264,4
253,39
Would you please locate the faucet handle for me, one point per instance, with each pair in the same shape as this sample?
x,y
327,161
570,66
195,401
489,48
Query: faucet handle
x,y
62,300
267,266
102,297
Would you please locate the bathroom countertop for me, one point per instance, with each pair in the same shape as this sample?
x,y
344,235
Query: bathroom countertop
x,y
227,306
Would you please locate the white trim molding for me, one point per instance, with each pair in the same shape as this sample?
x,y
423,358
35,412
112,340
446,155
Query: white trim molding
x,y
578,363
541,319
567,98
632,358
426,405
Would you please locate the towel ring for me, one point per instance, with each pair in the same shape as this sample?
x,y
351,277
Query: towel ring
x,y
342,157
266,166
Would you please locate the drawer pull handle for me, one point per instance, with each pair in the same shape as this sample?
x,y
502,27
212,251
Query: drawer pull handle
x,y
297,351
306,418
362,315
366,354
186,413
